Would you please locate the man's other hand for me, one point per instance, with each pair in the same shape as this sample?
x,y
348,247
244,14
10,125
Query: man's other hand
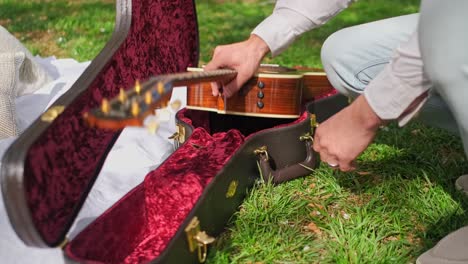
x,y
341,138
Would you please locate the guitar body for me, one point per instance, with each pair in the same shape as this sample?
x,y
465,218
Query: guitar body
x,y
271,94
315,84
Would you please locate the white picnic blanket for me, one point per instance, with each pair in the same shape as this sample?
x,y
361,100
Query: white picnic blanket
x,y
135,153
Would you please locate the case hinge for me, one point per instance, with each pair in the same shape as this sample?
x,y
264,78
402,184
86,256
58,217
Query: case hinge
x,y
64,243
198,240
313,123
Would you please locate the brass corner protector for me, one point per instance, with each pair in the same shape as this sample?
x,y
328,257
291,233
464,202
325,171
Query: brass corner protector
x,y
198,240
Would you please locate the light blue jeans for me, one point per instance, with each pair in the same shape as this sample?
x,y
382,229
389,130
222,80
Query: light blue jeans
x,y
353,56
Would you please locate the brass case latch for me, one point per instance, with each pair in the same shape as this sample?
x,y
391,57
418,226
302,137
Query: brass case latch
x,y
198,240
179,135
52,113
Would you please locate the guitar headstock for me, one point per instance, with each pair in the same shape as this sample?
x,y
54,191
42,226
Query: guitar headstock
x,y
131,107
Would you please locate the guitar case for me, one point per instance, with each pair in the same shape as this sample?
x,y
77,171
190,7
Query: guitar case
x,y
182,205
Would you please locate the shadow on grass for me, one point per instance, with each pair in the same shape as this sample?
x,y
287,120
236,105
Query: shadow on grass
x,y
422,170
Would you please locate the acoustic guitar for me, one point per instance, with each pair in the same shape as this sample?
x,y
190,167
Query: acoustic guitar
x,y
275,92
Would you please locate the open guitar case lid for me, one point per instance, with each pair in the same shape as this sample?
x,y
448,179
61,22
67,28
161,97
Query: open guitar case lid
x,y
48,172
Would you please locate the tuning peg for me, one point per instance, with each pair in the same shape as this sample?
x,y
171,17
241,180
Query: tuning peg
x,y
152,124
105,107
135,108
137,87
122,95
160,87
148,97
152,127
176,105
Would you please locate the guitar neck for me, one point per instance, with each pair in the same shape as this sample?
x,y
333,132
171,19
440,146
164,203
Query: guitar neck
x,y
187,78
130,107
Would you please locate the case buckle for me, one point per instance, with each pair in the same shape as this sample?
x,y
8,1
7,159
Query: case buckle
x,y
262,151
198,240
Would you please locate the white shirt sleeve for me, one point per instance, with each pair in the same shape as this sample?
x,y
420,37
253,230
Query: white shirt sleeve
x,y
291,18
399,84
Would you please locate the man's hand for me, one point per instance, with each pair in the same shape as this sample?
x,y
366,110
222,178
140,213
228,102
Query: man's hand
x,y
340,139
244,57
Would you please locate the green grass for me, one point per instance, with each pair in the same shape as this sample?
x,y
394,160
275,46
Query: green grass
x,y
77,29
243,16
399,202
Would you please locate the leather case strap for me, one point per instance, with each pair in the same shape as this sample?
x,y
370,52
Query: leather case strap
x,y
323,109
291,172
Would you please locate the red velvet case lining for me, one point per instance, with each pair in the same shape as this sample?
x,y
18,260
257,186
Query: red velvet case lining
x,y
138,227
62,164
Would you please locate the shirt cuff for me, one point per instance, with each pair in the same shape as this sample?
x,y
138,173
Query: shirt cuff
x,y
281,28
390,97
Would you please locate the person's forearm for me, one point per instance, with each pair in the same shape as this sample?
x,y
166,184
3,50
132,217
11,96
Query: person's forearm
x,y
365,115
258,46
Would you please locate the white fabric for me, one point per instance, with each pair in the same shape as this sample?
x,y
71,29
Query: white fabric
x,y
10,63
135,153
31,75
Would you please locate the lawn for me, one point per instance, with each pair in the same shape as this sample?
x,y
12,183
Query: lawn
x,y
399,202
